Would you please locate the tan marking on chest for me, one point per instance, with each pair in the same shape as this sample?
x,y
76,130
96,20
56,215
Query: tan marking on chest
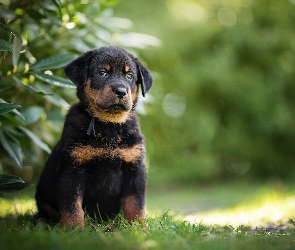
x,y
86,153
131,155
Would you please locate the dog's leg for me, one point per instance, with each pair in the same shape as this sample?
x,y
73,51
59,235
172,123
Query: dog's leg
x,y
133,195
72,219
70,198
46,212
132,209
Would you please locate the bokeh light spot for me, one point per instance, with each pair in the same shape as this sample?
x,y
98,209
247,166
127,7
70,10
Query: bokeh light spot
x,y
227,17
174,104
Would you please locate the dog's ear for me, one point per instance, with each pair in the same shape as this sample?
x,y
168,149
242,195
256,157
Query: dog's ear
x,y
144,78
77,70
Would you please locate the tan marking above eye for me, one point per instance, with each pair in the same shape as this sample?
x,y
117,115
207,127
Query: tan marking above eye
x,y
86,153
107,67
127,68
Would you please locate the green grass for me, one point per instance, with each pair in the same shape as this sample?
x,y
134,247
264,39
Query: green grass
x,y
233,216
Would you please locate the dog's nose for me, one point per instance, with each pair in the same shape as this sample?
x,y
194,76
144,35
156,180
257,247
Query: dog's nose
x,y
120,92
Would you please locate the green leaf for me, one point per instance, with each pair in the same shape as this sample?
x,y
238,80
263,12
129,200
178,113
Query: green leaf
x,y
8,29
57,3
28,87
11,146
11,183
36,139
32,114
7,13
54,62
3,104
7,107
35,15
12,120
54,99
55,80
56,116
5,46
17,45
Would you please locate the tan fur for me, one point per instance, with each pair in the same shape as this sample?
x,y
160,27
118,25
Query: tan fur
x,y
86,153
127,69
135,94
130,155
106,96
130,210
107,67
70,221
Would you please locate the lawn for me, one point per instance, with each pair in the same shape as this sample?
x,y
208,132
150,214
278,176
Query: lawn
x,y
220,216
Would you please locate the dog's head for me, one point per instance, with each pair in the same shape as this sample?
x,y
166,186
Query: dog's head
x,y
108,82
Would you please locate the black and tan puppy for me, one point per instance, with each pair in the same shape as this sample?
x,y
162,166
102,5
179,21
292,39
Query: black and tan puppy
x,y
97,165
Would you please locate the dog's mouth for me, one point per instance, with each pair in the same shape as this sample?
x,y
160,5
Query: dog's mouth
x,y
114,108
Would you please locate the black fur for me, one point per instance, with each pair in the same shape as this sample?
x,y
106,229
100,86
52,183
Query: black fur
x,y
104,169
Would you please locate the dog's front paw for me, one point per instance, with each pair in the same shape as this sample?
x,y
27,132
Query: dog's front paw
x,y
72,221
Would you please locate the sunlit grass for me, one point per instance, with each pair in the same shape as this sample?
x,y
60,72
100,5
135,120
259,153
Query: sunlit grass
x,y
260,220
267,207
264,210
17,206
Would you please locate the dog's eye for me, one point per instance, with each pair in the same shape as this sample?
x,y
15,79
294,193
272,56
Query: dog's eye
x,y
129,76
102,73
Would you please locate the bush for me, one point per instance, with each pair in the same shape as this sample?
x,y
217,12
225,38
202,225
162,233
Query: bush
x,y
39,39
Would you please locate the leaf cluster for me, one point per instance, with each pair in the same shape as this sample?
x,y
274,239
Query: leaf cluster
x,y
38,38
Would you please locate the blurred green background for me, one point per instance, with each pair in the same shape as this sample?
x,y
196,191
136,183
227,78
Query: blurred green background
x,y
223,103
224,94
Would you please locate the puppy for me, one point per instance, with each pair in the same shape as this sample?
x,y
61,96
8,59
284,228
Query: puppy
x,y
97,166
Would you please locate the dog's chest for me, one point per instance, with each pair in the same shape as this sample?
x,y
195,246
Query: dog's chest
x,y
109,148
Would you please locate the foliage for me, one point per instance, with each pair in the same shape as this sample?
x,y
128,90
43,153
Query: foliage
x,y
11,183
223,98
224,104
38,38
